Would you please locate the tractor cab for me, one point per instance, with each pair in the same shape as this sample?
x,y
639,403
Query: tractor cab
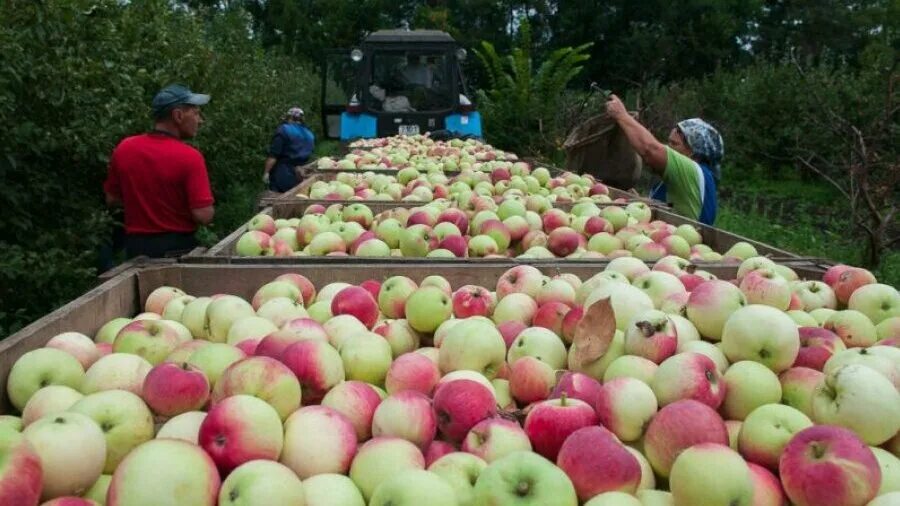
x,y
398,82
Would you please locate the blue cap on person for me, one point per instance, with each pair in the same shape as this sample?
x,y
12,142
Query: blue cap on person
x,y
175,95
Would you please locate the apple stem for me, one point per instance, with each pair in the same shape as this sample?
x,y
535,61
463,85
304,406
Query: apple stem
x,y
562,399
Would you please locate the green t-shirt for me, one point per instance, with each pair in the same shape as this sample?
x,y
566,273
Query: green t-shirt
x,y
683,179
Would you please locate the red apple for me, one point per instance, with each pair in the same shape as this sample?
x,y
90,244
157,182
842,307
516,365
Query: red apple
x,y
676,428
436,450
576,385
689,375
550,422
472,300
358,302
570,322
372,286
766,487
461,404
531,380
412,371
493,438
239,429
826,465
849,280
307,289
171,389
455,244
817,345
551,315
510,330
317,365
357,401
597,462
408,415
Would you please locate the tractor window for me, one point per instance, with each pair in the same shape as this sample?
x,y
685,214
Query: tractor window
x,y
402,81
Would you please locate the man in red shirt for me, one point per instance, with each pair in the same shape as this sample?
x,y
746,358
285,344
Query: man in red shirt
x,y
160,181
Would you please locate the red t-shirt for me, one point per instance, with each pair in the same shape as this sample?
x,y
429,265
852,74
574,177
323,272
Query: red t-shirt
x,y
159,179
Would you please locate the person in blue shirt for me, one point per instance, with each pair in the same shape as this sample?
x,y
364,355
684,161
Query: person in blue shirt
x,y
291,147
689,164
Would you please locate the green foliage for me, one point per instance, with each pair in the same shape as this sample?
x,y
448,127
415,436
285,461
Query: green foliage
x,y
82,78
519,103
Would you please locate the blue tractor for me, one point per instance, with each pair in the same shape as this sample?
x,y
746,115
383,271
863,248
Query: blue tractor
x,y
398,82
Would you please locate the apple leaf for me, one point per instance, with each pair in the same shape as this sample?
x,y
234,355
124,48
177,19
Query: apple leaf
x,y
594,332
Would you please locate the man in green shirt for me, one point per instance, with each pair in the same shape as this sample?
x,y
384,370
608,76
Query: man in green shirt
x,y
689,165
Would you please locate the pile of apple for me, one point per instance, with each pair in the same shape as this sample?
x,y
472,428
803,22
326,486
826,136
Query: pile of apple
x,y
632,387
481,228
418,151
504,180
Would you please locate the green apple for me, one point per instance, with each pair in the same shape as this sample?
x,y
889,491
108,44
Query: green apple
x,y
627,301
613,499
261,482
539,343
99,489
428,307
861,399
655,498
153,340
524,479
767,430
712,475
748,385
49,400
775,344
648,479
460,470
72,452
165,471
124,418
890,471
40,368
414,488
185,426
20,468
473,344
380,459
11,422
279,311
597,368
214,359
393,295
331,490
877,301
107,333
366,357
221,314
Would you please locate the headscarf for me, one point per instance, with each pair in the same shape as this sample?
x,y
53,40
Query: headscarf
x,y
294,114
705,142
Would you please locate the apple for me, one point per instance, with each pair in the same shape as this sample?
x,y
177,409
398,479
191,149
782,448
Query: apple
x,y
381,458
122,371
171,389
711,473
597,462
550,422
72,451
460,471
884,359
627,301
494,438
515,307
461,404
679,426
239,429
357,401
48,400
524,478
124,418
366,357
814,295
185,426
597,368
861,399
524,279
253,243
257,328
213,360
853,327
165,471
775,345
78,345
848,281
339,328
576,385
412,488
41,368
358,302
817,345
766,431
399,335
331,490
153,340
474,345
417,240
427,308
551,315
318,440
392,297
890,471
107,333
261,482
659,286
710,306
631,268
826,465
274,290
689,375
472,300
625,406
436,450
264,378
540,343
317,366
798,386
651,335
889,328
221,314
748,385
20,469
407,415
631,366
655,498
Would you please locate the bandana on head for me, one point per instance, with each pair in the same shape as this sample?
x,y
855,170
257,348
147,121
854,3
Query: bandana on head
x,y
705,142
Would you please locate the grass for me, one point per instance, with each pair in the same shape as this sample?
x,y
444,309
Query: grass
x,y
806,217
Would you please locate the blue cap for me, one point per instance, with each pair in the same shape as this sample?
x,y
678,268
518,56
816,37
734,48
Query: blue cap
x,y
176,94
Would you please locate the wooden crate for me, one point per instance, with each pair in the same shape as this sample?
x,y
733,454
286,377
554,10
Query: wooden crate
x,y
124,295
224,251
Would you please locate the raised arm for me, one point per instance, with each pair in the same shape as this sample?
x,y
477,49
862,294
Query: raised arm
x,y
644,143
